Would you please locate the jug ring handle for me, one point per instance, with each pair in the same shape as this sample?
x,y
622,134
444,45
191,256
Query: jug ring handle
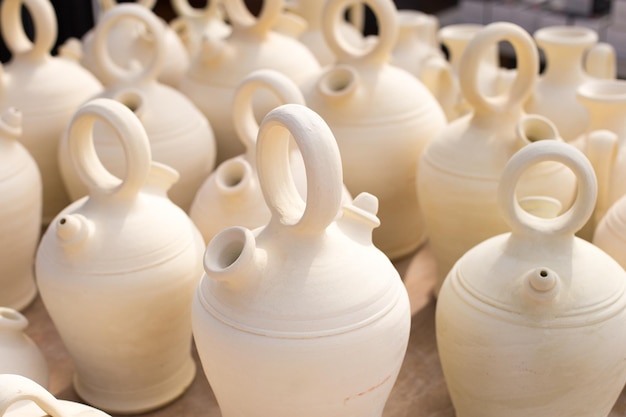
x,y
525,77
242,19
14,388
109,4
322,163
111,71
575,217
44,22
130,133
380,52
184,9
277,83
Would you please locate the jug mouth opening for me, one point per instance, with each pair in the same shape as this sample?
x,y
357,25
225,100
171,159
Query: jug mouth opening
x,y
534,128
461,31
12,318
131,99
566,35
338,81
231,174
226,249
603,90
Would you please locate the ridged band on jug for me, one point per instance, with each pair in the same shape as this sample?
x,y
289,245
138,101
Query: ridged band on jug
x,y
386,16
183,8
14,388
575,217
241,18
277,83
322,162
111,70
108,4
527,67
44,21
132,136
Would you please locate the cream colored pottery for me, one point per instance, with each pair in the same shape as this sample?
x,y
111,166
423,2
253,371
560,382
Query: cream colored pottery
x,y
604,143
214,75
610,233
305,316
117,270
529,323
23,397
382,118
180,136
18,353
460,169
130,41
313,36
20,214
555,93
47,90
192,24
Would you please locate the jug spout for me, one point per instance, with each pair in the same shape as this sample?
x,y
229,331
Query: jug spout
x,y
74,231
533,127
234,178
211,50
161,177
359,218
71,49
340,82
231,257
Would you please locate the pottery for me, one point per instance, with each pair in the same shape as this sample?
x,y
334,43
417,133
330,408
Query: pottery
x,y
460,169
47,90
312,34
280,308
18,353
133,43
555,93
192,24
222,64
117,269
23,397
382,118
20,214
523,318
180,136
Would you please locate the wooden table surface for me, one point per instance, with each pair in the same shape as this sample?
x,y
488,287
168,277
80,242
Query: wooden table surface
x,y
420,390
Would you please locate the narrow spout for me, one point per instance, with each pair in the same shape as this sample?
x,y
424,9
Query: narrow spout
x,y
11,123
71,49
211,49
74,230
338,83
234,177
231,256
161,177
533,127
359,218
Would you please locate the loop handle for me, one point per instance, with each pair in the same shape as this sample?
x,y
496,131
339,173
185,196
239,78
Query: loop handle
x,y
184,9
322,166
109,4
277,83
132,136
386,16
12,28
575,217
527,67
103,59
242,20
14,388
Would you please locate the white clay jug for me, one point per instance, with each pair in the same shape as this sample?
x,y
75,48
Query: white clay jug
x,y
192,24
382,118
47,91
131,41
180,136
18,353
20,214
23,397
610,233
460,169
529,323
555,93
222,64
280,308
117,270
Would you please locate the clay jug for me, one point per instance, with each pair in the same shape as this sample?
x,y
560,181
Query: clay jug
x,y
47,90
382,118
460,169
192,24
555,93
279,308
524,317
20,211
222,64
18,353
23,397
129,261
132,42
180,136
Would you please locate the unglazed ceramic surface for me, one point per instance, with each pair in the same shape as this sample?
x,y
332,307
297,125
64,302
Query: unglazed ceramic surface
x,y
192,24
529,322
281,313
129,260
460,169
180,136
46,90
